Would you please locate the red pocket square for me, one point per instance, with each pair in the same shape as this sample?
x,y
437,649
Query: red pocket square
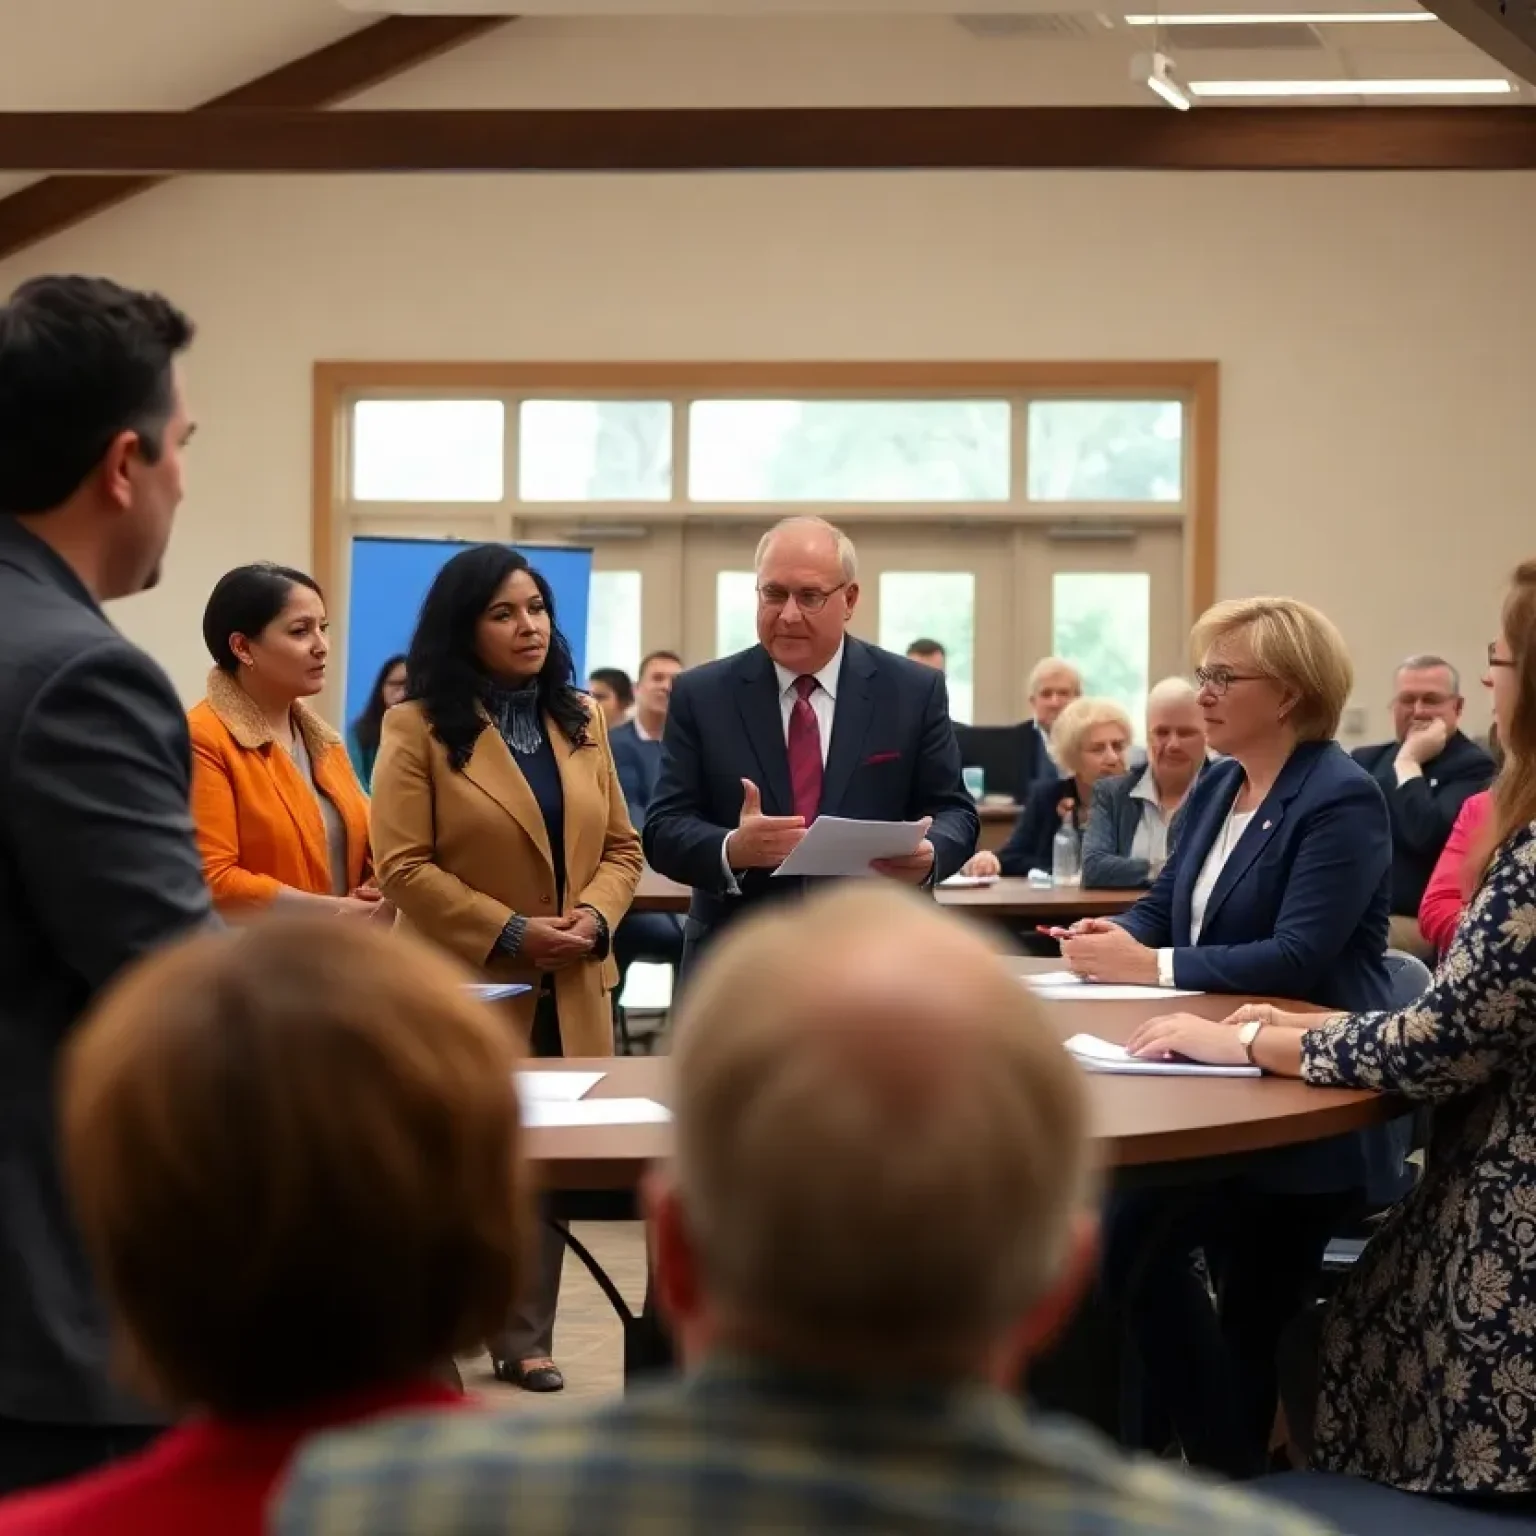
x,y
881,757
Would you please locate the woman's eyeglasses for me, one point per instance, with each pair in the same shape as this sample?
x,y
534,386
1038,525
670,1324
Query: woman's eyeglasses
x,y
1494,659
1217,680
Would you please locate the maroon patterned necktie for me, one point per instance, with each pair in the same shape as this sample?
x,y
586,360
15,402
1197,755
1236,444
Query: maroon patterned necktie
x,y
805,751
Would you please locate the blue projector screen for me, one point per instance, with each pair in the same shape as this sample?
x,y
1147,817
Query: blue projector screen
x,y
390,578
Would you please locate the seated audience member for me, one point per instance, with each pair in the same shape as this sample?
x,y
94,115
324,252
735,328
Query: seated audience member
x,y
1426,1348
614,692
363,739
279,813
927,653
1455,876
293,1153
877,1211
636,743
1277,887
1053,684
1427,773
1090,740
1134,818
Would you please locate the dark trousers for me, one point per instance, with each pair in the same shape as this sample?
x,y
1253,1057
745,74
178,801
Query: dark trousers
x,y
653,936
530,1331
1208,1371
32,1455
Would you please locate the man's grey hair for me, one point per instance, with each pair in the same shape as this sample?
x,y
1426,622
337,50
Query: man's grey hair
x,y
1427,662
1171,690
846,555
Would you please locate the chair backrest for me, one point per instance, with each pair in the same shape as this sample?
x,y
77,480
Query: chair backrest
x,y
1409,976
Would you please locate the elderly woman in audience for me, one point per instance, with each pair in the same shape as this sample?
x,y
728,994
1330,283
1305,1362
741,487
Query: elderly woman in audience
x,y
1135,817
1278,885
501,833
1427,1381
280,816
1090,740
293,1154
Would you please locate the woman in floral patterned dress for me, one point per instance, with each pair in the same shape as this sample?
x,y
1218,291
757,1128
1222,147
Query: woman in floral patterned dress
x,y
1428,1363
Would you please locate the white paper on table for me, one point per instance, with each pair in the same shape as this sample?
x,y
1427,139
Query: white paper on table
x,y
556,1087
540,1114
1104,1056
835,846
496,991
967,882
1063,986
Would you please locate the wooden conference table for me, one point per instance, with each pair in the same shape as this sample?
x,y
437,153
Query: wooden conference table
x,y
1016,900
1168,1126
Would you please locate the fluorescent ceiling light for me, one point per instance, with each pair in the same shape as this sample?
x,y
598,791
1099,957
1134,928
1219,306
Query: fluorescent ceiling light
x,y
1232,89
1282,18
1169,91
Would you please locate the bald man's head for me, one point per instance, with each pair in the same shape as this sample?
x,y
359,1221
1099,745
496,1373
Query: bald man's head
x,y
807,589
881,1145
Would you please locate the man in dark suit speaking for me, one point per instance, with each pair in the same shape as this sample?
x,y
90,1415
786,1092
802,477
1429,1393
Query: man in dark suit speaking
x,y
809,721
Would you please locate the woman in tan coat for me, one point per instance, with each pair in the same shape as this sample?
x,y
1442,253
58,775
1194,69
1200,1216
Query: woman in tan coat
x,y
500,832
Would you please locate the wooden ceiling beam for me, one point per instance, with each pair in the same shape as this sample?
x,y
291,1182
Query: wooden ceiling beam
x,y
365,58
234,141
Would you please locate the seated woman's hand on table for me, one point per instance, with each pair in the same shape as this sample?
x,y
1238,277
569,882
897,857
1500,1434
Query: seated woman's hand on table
x,y
1213,1042
984,864
1098,950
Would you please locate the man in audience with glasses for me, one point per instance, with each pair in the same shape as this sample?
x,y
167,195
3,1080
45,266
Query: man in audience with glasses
x,y
1427,773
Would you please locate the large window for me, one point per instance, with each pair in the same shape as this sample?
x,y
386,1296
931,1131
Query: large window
x,y
1006,511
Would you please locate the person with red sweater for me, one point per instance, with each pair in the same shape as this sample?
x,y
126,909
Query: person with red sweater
x,y
294,1158
1445,897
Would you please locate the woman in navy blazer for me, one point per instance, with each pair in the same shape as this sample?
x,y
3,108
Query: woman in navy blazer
x,y
1279,885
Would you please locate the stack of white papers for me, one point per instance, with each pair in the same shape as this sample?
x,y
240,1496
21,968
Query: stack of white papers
x,y
556,1087
1103,1056
543,1113
833,846
1063,986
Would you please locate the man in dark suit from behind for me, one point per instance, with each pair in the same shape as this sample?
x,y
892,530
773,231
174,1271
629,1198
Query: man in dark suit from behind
x,y
1427,773
98,864
636,745
809,721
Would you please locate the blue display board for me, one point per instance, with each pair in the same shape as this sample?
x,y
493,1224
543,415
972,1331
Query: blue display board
x,y
390,578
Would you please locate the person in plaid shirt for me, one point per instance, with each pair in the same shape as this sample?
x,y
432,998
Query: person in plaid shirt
x,y
879,1207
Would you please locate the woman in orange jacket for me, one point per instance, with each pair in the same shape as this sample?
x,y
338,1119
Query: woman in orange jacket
x,y
280,815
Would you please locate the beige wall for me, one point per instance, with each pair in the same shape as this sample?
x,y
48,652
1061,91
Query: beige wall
x,y
1374,334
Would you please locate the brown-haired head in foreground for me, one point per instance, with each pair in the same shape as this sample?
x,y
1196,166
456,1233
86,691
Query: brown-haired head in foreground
x,y
293,1153
1514,792
1295,646
882,1159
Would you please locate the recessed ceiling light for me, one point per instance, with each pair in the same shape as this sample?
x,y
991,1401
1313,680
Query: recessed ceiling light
x,y
1282,18
1216,89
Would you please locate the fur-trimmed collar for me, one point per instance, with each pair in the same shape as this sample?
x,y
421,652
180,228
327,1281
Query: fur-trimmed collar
x,y
239,715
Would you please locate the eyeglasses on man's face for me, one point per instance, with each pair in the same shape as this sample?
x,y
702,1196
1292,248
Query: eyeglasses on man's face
x,y
1216,680
807,599
1494,659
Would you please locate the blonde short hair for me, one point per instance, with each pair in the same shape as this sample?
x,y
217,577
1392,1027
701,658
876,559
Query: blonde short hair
x,y
881,1145
847,556
1074,723
1043,669
1292,644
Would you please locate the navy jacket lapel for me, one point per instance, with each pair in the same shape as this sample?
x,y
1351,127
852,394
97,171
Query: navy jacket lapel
x,y
1267,819
757,697
850,722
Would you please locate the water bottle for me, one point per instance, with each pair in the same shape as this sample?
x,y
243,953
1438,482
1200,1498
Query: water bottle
x,y
1066,854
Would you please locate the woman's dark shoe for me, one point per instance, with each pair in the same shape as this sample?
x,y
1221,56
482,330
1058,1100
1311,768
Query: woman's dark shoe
x,y
530,1375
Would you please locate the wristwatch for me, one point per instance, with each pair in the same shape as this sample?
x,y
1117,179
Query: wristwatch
x,y
1247,1035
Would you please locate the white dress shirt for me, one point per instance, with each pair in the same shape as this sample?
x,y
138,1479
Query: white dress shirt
x,y
823,702
1150,841
1227,839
